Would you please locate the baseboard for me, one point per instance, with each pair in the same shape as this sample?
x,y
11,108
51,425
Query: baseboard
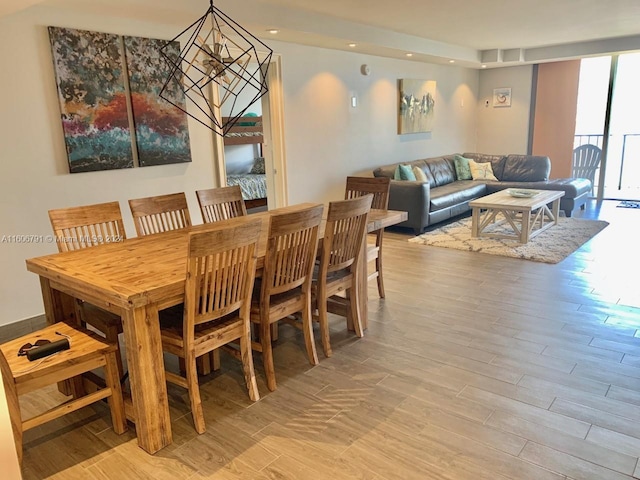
x,y
21,327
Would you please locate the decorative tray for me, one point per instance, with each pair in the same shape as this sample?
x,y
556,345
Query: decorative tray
x,y
522,192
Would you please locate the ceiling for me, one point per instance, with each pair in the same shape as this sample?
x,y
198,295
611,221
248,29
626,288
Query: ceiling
x,y
469,32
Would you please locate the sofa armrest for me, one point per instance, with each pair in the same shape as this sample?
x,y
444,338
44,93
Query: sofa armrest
x,y
413,198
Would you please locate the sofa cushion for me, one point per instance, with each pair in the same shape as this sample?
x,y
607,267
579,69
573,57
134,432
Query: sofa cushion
x,y
526,168
572,187
461,164
497,161
442,169
456,193
481,171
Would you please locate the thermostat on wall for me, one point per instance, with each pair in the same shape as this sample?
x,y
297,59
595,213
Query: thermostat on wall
x,y
365,69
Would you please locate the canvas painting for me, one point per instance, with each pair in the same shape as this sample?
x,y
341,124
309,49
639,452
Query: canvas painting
x,y
93,102
417,106
162,134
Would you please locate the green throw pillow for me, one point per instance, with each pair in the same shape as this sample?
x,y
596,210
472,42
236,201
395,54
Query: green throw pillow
x,y
463,172
404,172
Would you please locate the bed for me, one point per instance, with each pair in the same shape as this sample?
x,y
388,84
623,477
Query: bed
x,y
248,131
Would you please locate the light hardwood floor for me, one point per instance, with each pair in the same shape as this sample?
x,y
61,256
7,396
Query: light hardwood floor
x,y
474,367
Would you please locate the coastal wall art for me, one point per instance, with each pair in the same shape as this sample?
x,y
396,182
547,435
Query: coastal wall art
x,y
93,103
108,90
161,130
416,112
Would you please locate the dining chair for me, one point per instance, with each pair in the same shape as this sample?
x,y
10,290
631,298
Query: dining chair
x,y
285,284
379,187
87,226
87,351
344,236
220,275
159,214
221,203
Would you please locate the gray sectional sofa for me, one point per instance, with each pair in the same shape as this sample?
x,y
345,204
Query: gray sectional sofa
x,y
443,196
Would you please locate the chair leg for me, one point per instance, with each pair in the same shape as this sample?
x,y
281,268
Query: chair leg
x,y
307,329
323,318
354,305
379,237
194,393
203,364
214,358
112,337
247,365
267,354
379,278
116,404
209,362
274,331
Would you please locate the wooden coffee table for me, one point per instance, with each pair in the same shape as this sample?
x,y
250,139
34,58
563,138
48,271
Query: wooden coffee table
x,y
527,216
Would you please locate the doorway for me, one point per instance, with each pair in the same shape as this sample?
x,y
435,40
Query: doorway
x,y
268,150
608,102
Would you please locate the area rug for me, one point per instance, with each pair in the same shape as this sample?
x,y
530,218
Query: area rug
x,y
628,204
551,246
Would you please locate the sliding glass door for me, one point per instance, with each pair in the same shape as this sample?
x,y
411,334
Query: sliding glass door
x,y
623,170
607,117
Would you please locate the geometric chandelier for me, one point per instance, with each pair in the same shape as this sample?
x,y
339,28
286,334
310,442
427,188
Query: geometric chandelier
x,y
216,51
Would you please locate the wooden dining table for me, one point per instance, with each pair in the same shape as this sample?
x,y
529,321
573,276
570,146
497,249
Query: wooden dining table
x,y
135,279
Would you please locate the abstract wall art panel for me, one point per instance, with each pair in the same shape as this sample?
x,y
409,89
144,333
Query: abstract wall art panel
x,y
417,106
93,102
162,134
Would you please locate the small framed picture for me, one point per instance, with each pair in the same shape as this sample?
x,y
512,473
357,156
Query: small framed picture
x,y
502,97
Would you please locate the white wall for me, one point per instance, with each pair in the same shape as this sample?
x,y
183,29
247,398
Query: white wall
x,y
326,139
504,130
34,170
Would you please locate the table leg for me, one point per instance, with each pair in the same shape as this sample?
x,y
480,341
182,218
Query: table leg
x,y
524,228
146,372
475,218
556,210
58,307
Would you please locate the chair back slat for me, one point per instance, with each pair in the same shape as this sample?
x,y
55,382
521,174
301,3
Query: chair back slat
x,y
86,226
291,250
220,272
221,203
586,159
378,186
343,237
160,214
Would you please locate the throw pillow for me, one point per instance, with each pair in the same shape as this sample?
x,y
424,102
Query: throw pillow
x,y
404,172
461,164
419,174
481,171
258,166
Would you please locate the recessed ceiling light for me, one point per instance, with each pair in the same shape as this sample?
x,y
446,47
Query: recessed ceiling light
x,y
452,61
352,45
409,54
484,66
273,31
